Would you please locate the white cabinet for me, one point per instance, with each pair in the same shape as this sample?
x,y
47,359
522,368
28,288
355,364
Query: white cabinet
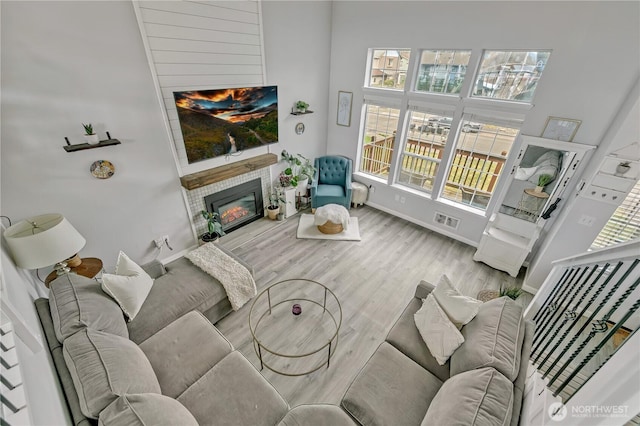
x,y
290,205
506,242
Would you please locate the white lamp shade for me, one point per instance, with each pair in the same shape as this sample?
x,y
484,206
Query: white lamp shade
x,y
43,240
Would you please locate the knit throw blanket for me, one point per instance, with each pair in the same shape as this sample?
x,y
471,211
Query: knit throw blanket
x,y
235,278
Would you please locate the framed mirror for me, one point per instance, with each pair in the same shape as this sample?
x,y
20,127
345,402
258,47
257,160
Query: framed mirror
x,y
540,175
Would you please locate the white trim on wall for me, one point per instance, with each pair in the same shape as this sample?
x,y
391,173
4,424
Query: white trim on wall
x,y
200,45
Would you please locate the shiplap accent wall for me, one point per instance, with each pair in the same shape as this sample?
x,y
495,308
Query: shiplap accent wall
x,y
196,45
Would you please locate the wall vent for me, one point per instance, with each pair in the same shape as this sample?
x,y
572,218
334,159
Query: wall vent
x,y
444,220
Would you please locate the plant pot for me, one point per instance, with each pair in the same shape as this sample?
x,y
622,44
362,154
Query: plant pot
x,y
272,212
538,189
92,139
621,169
207,237
301,189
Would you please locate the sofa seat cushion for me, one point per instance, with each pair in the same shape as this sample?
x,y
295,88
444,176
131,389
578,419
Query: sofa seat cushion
x,y
405,337
146,409
324,190
492,339
182,289
77,302
391,389
253,400
316,415
477,397
183,351
104,366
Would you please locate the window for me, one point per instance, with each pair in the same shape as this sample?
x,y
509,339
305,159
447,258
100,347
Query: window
x,y
453,148
510,75
423,149
624,224
378,139
442,71
481,151
389,68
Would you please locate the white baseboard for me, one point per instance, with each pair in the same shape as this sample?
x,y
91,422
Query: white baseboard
x,y
529,289
423,224
177,255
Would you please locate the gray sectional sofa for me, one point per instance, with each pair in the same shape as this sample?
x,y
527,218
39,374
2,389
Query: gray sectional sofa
x,y
481,384
171,366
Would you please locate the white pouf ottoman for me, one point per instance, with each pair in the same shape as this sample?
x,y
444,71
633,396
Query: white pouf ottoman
x,y
331,219
359,192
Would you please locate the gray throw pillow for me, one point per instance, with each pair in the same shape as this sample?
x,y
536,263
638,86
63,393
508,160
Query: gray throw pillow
x,y
77,302
146,409
105,366
478,397
492,339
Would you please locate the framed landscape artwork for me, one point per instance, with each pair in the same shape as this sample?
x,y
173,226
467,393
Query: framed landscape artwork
x,y
223,121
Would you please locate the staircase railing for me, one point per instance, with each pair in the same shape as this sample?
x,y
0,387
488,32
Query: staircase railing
x,y
585,313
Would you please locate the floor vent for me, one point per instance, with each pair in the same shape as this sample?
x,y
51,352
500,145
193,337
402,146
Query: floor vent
x,y
448,221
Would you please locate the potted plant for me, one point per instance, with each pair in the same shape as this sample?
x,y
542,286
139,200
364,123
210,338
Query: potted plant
x,y
623,168
512,292
275,199
214,227
90,137
543,180
300,169
301,106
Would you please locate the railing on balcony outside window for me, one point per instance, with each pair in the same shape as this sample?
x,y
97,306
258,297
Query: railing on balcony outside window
x,y
469,171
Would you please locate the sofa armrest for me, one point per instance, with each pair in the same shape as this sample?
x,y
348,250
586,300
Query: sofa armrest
x,y
184,351
423,289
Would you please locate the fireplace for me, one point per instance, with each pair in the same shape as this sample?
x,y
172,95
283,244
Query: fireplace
x,y
237,206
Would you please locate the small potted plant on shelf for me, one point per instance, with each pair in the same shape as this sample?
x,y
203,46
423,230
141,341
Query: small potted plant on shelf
x,y
301,171
214,227
302,106
543,180
89,136
623,168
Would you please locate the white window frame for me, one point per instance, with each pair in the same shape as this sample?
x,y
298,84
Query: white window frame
x,y
458,106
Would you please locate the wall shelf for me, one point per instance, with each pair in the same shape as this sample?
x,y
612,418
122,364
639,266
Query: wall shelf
x,y
82,146
301,113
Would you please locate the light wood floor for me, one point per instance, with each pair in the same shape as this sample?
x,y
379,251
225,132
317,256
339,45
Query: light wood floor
x,y
374,280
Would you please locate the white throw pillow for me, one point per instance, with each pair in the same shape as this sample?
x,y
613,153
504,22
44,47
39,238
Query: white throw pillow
x,y
460,308
438,332
523,173
129,286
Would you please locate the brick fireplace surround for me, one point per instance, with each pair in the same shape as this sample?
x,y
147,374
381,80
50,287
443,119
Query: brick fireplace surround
x,y
199,185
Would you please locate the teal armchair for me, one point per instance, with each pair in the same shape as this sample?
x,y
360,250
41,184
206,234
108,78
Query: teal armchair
x,y
332,181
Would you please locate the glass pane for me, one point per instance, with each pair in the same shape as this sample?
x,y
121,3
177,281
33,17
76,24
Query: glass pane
x,y
442,71
423,149
481,151
379,137
624,224
389,68
510,75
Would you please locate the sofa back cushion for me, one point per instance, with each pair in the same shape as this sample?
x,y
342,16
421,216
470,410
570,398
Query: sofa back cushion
x,y
492,339
476,397
146,409
105,366
77,302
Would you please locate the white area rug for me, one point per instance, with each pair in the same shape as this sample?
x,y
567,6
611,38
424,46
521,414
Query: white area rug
x,y
307,230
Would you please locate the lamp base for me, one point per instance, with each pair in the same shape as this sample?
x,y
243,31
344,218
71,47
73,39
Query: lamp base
x,y
74,261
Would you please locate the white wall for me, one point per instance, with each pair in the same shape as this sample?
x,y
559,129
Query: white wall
x,y
297,47
67,63
590,40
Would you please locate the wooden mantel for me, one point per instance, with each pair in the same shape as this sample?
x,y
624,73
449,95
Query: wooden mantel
x,y
217,174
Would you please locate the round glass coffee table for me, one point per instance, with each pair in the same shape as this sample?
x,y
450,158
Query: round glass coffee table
x,y
294,324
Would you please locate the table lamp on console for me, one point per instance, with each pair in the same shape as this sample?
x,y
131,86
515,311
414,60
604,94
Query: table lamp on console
x,y
45,240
